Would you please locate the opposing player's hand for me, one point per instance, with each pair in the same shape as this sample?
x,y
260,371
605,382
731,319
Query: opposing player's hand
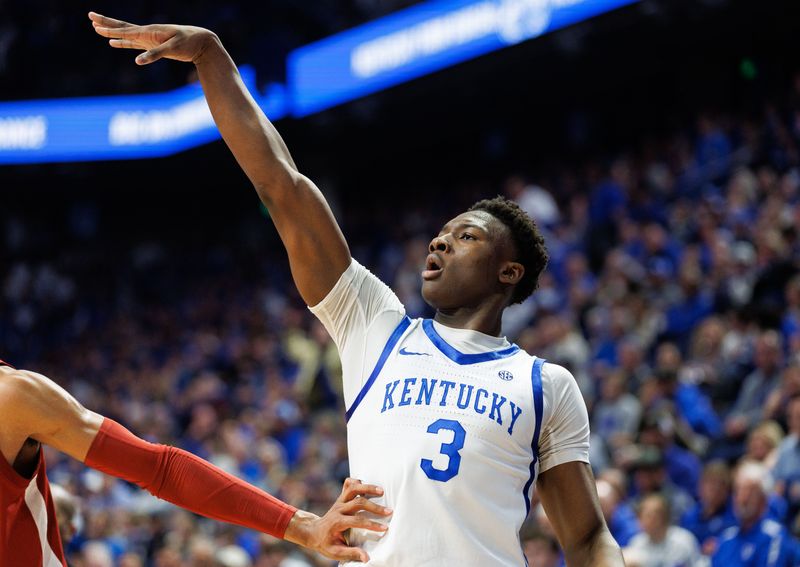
x,y
327,534
182,43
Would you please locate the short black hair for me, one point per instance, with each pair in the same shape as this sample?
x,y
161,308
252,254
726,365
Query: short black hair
x,y
528,241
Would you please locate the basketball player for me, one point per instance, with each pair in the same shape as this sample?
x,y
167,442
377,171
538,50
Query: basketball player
x,y
36,410
452,420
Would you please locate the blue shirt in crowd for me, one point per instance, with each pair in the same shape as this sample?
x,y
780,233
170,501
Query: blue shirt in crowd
x,y
623,524
767,544
707,528
696,409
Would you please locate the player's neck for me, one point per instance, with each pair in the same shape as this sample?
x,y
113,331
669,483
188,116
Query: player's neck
x,y
482,319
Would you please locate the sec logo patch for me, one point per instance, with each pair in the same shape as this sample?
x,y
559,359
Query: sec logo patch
x,y
505,375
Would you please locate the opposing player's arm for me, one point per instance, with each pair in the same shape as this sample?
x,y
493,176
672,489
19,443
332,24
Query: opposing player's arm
x,y
318,253
32,405
569,498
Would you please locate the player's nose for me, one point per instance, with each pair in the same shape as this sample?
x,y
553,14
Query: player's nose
x,y
438,244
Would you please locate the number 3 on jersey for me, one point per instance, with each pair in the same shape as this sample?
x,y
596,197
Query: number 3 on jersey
x,y
450,449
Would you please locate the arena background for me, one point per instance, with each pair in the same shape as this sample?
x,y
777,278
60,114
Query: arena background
x,y
158,292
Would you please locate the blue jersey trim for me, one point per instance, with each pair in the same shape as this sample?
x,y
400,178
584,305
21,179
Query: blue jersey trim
x,y
459,357
538,405
390,344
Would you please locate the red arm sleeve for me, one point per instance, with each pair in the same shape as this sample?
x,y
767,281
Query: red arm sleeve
x,y
186,480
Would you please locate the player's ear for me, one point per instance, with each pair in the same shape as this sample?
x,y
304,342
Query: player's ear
x,y
511,273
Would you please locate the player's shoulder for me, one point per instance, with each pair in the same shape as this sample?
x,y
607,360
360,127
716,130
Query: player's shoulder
x,y
13,384
556,374
10,377
17,386
559,385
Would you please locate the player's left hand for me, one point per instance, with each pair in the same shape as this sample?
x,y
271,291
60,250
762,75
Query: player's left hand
x,y
182,43
327,534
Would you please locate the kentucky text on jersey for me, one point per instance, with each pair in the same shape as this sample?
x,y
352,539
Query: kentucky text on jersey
x,y
428,391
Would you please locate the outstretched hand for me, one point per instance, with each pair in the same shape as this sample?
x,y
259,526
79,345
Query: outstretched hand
x,y
157,41
328,534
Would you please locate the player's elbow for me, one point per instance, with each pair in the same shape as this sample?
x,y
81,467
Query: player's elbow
x,y
281,183
594,546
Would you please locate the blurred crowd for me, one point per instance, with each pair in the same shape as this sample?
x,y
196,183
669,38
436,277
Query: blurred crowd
x,y
673,296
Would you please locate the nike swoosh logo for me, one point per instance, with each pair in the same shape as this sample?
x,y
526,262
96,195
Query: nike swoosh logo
x,y
405,352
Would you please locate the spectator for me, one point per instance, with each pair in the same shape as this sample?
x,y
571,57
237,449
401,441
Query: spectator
x,y
617,413
650,476
619,516
762,443
661,544
706,365
757,386
631,357
787,467
683,466
713,514
756,540
534,200
691,405
790,326
693,305
776,405
541,549
607,201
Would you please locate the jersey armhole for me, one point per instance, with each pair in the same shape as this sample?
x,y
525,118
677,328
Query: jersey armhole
x,y
387,350
538,406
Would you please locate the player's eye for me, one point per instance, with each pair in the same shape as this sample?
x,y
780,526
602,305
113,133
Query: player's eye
x,y
467,236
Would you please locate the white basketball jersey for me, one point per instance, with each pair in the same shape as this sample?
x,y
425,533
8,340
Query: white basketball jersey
x,y
452,438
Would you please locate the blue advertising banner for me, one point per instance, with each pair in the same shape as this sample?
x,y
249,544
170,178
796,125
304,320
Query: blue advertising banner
x,y
112,127
419,40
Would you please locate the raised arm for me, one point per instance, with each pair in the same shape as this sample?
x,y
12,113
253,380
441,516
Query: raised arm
x,y
34,406
318,253
569,498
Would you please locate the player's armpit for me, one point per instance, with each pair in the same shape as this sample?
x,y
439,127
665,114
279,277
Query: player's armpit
x,y
569,496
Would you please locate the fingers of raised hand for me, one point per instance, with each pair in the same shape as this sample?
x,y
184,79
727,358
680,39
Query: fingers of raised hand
x,y
130,32
125,44
156,53
98,20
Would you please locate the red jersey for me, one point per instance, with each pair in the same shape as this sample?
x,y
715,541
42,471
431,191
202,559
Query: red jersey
x,y
29,534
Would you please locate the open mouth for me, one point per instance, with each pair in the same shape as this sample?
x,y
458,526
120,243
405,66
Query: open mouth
x,y
433,267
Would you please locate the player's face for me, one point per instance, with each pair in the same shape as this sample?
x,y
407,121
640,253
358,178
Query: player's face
x,y
465,261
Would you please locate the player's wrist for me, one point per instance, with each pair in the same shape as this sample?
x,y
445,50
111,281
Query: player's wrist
x,y
210,47
300,529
